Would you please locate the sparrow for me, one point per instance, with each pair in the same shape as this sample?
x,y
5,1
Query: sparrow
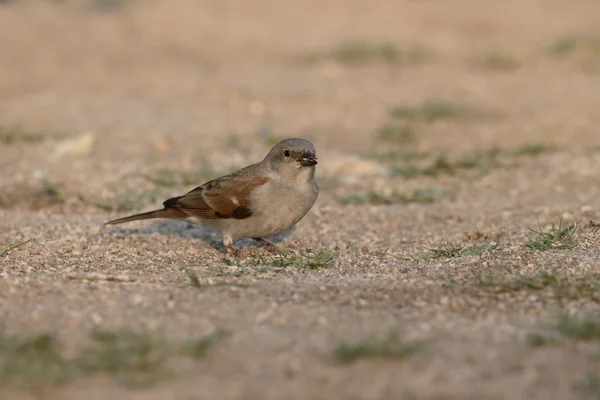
x,y
258,201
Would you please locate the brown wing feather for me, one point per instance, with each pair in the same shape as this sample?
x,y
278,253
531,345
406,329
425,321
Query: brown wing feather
x,y
226,197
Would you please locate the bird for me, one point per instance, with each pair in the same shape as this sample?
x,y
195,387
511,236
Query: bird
x,y
257,201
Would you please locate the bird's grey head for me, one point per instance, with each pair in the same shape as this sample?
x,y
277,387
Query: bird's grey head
x,y
291,156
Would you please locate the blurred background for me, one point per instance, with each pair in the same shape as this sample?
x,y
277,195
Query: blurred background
x,y
107,104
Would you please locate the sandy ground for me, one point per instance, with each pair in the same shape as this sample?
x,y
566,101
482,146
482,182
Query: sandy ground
x,y
109,107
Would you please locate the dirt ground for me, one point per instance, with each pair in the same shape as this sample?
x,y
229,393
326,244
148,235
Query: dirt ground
x,y
445,132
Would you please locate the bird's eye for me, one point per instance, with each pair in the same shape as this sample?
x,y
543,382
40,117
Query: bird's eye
x,y
286,153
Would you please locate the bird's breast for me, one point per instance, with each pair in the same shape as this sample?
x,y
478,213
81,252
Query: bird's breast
x,y
279,206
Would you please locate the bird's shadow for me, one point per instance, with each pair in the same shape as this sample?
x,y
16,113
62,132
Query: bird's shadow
x,y
190,230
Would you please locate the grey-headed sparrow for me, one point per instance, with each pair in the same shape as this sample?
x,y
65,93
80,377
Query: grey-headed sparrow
x,y
258,201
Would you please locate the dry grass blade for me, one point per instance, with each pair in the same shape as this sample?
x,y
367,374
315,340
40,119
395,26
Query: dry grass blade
x,y
8,247
194,280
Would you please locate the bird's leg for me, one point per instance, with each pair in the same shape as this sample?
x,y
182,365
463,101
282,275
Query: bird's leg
x,y
234,251
269,246
230,249
264,242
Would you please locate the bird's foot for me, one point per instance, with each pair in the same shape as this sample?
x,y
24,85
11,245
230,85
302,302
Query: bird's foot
x,y
270,247
234,251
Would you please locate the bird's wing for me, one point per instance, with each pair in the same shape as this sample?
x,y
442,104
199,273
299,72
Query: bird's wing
x,y
225,197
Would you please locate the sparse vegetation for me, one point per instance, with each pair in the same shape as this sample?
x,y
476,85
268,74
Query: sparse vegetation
x,y
234,141
107,5
171,177
131,202
568,44
194,280
198,348
561,287
396,132
389,346
499,61
406,120
327,182
590,386
131,357
356,52
400,155
582,327
450,250
32,360
579,327
9,246
431,110
423,196
531,149
320,259
557,238
240,268
12,135
441,165
410,166
53,190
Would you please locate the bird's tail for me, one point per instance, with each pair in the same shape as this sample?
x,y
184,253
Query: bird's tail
x,y
162,213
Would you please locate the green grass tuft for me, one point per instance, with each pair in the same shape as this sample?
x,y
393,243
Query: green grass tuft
x,y
193,278
581,328
53,190
14,135
133,358
321,259
356,52
396,132
499,61
532,149
450,250
388,347
442,164
567,45
32,360
557,238
198,348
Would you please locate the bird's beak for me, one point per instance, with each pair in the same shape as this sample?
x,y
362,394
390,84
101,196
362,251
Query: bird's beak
x,y
308,158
